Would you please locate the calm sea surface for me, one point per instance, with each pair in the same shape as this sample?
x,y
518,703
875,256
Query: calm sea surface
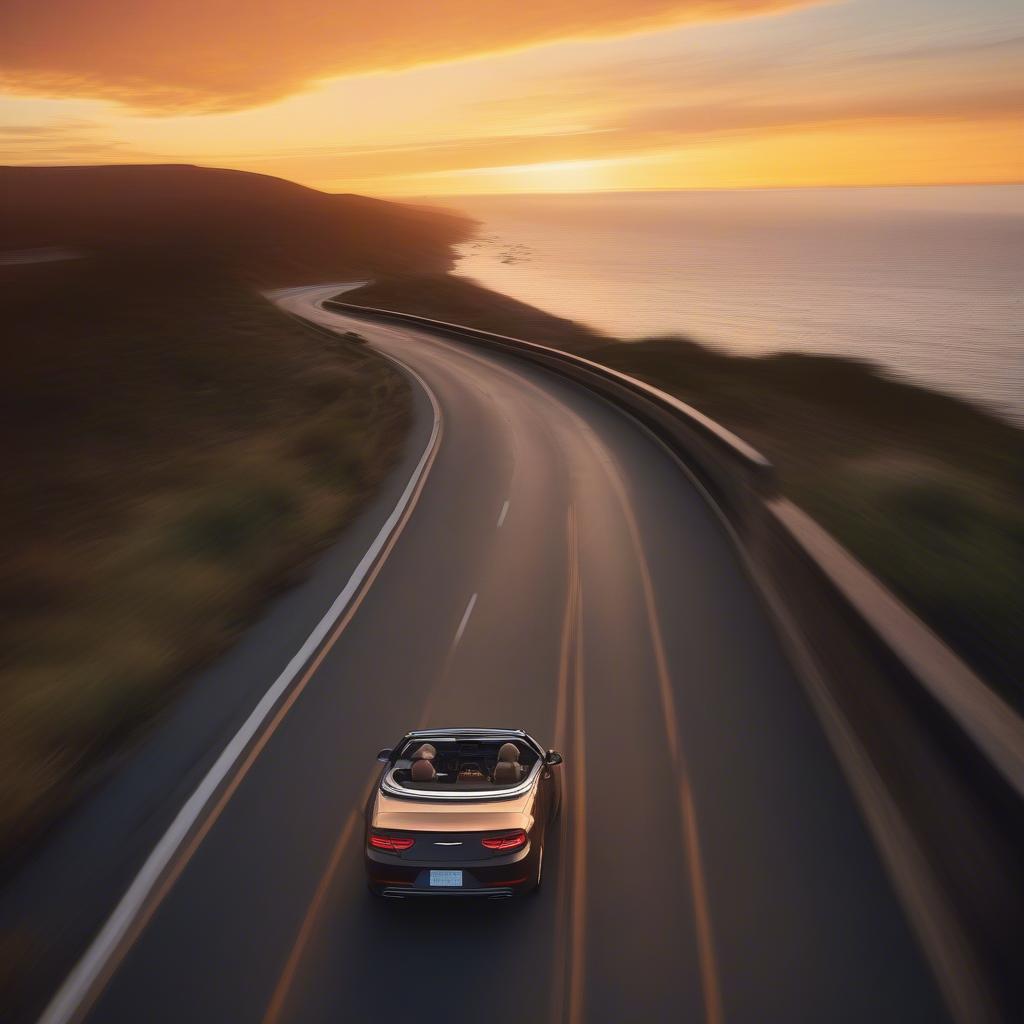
x,y
928,282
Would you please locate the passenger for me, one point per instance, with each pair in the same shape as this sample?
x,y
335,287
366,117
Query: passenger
x,y
423,769
508,771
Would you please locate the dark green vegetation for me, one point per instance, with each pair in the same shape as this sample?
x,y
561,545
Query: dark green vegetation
x,y
173,445
926,490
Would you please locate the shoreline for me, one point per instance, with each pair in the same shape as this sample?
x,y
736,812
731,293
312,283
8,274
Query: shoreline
x,y
923,488
918,281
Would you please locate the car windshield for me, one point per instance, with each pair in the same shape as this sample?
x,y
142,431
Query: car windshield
x,y
463,764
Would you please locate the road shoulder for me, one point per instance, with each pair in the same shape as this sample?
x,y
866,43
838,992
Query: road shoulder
x,y
55,902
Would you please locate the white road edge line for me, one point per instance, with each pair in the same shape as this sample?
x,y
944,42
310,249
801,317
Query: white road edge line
x,y
465,621
504,512
79,983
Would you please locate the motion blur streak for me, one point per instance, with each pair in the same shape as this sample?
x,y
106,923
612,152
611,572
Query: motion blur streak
x,y
578,953
567,646
284,983
702,915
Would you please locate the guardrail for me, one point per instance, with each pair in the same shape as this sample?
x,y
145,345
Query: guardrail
x,y
934,756
738,477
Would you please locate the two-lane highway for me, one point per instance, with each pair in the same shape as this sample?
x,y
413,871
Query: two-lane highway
x,y
556,572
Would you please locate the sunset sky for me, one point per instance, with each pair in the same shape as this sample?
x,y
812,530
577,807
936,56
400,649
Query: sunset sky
x,y
400,97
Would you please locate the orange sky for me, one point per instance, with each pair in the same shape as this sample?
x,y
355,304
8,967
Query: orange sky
x,y
403,97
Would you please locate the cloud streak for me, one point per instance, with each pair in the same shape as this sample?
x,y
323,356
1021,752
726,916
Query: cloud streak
x,y
216,55
826,95
62,141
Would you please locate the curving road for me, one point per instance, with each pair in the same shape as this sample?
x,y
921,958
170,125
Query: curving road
x,y
557,572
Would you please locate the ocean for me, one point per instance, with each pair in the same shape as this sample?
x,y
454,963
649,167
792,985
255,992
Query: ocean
x,y
928,282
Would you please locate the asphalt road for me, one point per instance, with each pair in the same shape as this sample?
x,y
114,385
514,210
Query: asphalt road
x,y
560,574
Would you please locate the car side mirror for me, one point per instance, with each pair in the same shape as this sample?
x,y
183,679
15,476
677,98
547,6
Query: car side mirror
x,y
384,755
552,757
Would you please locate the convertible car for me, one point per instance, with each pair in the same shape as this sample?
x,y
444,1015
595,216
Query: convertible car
x,y
461,812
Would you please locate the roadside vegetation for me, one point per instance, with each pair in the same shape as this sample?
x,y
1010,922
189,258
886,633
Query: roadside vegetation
x,y
173,449
926,490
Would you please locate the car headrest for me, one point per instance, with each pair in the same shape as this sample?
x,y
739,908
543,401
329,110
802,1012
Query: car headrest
x,y
422,771
426,752
508,752
507,772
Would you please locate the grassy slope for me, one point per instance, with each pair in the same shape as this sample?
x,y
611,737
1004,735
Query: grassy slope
x,y
174,446
926,490
167,462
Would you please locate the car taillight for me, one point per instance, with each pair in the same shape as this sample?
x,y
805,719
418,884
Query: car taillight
x,y
510,842
392,843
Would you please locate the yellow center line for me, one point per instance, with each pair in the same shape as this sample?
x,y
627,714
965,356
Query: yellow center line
x,y
691,838
568,625
577,992
567,647
287,977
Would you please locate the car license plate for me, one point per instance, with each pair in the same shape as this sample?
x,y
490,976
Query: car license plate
x,y
450,879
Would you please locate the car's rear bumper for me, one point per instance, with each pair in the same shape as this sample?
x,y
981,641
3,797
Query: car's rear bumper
x,y
410,892
497,879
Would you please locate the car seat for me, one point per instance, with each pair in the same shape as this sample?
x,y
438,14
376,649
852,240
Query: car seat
x,y
508,770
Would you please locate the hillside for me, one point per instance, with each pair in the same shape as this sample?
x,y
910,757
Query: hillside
x,y
175,446
269,231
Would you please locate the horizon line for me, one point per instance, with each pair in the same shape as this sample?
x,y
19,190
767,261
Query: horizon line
x,y
698,188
